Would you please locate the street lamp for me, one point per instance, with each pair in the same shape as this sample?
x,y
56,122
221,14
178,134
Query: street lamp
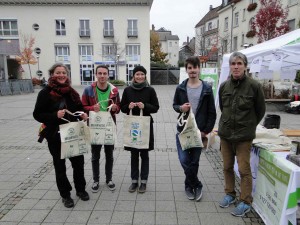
x,y
232,9
117,65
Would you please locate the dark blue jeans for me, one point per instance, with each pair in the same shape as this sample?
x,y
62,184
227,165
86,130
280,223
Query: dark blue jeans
x,y
189,160
135,165
109,160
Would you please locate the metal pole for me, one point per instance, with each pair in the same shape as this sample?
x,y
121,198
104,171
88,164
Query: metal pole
x,y
232,9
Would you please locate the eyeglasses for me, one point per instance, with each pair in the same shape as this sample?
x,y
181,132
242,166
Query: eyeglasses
x,y
237,63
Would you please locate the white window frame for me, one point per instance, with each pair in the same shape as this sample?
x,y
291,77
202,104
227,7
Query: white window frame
x,y
209,26
132,27
60,27
9,27
62,52
133,52
84,25
86,52
226,24
236,19
108,27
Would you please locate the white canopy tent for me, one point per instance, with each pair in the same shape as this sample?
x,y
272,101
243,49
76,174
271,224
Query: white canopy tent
x,y
286,46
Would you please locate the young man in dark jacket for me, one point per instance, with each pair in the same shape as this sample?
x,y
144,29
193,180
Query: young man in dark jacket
x,y
242,104
195,94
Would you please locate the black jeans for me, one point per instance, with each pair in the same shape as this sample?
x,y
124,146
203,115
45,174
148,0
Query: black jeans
x,y
77,163
135,165
109,160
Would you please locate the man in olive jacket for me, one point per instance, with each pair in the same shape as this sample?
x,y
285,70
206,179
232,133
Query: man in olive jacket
x,y
242,104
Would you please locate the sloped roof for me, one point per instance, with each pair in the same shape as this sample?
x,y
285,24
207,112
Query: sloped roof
x,y
165,34
213,13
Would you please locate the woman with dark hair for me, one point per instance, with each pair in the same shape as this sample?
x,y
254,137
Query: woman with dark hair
x,y
139,95
50,107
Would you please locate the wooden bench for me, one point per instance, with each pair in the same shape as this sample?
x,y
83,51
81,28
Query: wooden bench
x,y
291,133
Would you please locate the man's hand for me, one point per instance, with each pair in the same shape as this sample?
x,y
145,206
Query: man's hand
x,y
185,107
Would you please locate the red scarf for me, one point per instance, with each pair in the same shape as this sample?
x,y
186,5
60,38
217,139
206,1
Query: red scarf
x,y
58,90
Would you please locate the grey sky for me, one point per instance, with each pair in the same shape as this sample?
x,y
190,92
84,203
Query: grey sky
x,y
180,16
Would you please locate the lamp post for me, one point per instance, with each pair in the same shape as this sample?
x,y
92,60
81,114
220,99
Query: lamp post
x,y
117,65
232,9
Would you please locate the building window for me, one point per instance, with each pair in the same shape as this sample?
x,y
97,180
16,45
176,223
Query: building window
x,y
225,46
244,14
133,53
291,24
209,26
253,1
132,28
109,52
250,23
170,44
62,53
170,55
226,24
84,30
235,45
86,52
243,39
236,19
8,27
292,2
60,27
108,28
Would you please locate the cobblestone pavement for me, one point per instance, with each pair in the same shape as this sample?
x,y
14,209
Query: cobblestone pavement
x,y
28,192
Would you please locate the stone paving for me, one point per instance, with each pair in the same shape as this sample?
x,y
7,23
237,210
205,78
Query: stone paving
x,y
28,192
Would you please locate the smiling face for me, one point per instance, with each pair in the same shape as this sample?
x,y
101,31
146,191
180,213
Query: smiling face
x,y
237,68
139,77
60,74
102,75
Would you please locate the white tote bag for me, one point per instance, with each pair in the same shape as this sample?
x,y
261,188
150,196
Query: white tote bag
x,y
190,136
102,128
136,131
75,139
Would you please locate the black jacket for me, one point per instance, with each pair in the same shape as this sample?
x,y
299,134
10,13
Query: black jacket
x,y
46,108
206,112
148,96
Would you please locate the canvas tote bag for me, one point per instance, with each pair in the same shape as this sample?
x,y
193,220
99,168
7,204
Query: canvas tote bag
x,y
190,136
102,128
136,131
75,139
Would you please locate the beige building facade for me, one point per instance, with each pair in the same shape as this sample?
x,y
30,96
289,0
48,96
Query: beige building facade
x,y
81,34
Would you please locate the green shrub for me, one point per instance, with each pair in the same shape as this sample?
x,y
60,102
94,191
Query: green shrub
x,y
117,82
297,79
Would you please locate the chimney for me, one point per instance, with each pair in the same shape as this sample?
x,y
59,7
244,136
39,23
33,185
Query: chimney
x,y
187,40
210,7
153,27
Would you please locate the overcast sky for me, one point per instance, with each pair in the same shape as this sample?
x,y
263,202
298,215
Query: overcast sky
x,y
180,16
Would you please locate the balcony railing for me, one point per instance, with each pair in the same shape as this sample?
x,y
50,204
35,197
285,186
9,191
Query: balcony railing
x,y
84,32
132,33
108,33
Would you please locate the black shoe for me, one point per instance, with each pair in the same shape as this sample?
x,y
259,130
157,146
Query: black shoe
x,y
189,193
198,193
68,202
133,187
142,188
111,186
84,196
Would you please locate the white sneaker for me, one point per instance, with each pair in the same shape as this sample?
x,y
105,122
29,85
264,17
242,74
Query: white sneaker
x,y
111,186
95,187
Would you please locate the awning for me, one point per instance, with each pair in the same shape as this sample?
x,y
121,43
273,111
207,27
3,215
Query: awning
x,y
9,47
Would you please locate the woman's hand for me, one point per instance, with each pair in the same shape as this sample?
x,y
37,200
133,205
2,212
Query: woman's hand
x,y
131,105
61,113
140,105
185,107
84,116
